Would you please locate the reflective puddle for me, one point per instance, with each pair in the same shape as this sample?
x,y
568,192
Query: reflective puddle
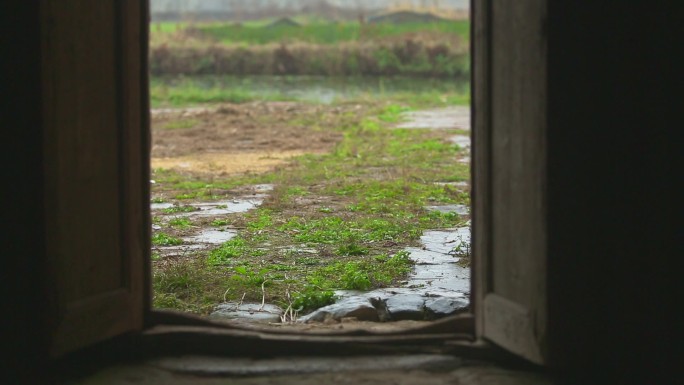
x,y
212,237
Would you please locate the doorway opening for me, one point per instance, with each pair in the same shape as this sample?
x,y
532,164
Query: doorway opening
x,y
311,163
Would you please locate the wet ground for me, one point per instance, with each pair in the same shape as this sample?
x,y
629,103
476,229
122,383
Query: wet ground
x,y
320,89
439,284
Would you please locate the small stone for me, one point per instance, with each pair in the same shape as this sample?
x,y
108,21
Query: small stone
x,y
445,306
360,308
406,307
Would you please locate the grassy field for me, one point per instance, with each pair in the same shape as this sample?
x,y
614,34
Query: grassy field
x,y
329,33
317,48
338,220
180,92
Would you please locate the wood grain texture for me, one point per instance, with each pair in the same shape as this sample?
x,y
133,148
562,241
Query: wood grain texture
x,y
510,174
94,191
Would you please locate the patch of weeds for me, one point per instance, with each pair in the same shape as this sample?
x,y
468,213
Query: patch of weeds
x,y
155,256
233,248
263,220
179,209
312,298
219,222
168,300
352,249
158,200
295,191
341,275
325,230
355,277
378,271
163,239
281,267
462,252
392,113
180,222
250,277
186,285
308,261
326,210
192,195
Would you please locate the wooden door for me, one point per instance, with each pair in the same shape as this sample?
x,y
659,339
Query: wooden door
x,y
96,178
509,175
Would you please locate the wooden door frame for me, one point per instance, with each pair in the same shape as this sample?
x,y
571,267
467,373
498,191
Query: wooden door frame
x,y
461,334
460,330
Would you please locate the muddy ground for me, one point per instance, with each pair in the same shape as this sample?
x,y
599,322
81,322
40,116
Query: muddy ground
x,y
239,138
222,141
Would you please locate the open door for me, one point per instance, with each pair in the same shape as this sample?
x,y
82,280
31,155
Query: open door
x,y
509,176
95,143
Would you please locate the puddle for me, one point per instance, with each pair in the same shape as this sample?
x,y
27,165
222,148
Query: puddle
x,y
263,187
160,206
233,206
454,184
458,209
212,237
207,209
443,118
461,141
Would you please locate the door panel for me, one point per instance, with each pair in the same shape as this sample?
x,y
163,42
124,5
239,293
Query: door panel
x,y
510,116
95,190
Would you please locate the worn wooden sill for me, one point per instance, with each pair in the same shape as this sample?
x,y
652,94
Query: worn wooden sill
x,y
171,332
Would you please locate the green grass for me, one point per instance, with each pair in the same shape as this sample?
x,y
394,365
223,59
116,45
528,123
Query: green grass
x,y
372,187
404,93
180,222
179,209
325,33
163,239
187,94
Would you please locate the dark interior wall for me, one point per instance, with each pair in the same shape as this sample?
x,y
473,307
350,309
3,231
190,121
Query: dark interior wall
x,y
24,305
613,124
613,132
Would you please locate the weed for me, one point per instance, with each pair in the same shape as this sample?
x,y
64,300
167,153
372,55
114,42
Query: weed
x,y
163,239
263,220
311,298
352,249
250,277
219,222
234,248
308,261
179,209
188,195
180,222
462,252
